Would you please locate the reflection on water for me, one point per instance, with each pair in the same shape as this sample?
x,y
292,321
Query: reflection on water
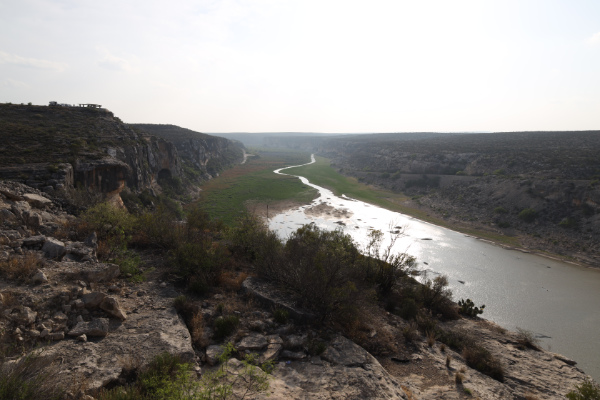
x,y
555,300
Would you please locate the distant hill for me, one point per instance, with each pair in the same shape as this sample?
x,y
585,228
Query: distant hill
x,y
259,139
543,187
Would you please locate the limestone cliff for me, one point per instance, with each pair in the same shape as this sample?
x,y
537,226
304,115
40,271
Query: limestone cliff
x,y
204,156
53,148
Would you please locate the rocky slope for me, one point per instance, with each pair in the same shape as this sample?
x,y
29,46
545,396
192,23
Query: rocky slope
x,y
94,325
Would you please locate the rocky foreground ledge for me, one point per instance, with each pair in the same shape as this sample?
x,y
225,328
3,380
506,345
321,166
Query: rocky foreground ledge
x,y
95,325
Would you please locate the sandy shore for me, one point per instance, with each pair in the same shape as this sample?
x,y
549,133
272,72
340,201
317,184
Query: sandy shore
x,y
273,208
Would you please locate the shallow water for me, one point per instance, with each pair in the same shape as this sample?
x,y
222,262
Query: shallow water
x,y
555,300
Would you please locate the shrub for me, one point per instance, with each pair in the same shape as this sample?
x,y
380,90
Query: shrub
x,y
567,223
252,241
408,309
200,263
527,339
129,263
587,390
468,308
500,210
528,215
225,326
382,267
114,227
158,229
319,266
438,298
458,378
483,361
410,332
281,316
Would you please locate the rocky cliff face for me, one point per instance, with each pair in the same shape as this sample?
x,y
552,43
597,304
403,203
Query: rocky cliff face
x,y
203,156
52,148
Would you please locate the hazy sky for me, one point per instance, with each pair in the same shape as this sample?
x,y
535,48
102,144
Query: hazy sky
x,y
304,65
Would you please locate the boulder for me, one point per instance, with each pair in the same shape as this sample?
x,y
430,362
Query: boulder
x,y
97,327
342,351
37,201
93,299
54,249
318,380
252,342
213,353
34,220
111,306
39,277
271,353
26,316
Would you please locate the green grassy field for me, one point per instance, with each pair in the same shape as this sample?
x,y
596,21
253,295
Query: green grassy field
x,y
236,189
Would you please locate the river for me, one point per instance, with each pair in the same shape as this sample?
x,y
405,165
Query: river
x,y
556,301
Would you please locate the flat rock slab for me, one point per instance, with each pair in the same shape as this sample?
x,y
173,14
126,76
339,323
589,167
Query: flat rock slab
x,y
94,328
140,338
36,200
320,381
252,342
342,351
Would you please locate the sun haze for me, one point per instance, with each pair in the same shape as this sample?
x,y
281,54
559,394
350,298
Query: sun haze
x,y
319,66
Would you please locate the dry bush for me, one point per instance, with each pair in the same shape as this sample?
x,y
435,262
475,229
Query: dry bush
x,y
483,361
527,339
530,396
193,319
430,338
448,360
31,377
21,268
104,250
361,329
410,332
196,328
232,281
458,378
65,227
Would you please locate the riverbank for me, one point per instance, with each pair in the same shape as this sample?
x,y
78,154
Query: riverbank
x,y
321,173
